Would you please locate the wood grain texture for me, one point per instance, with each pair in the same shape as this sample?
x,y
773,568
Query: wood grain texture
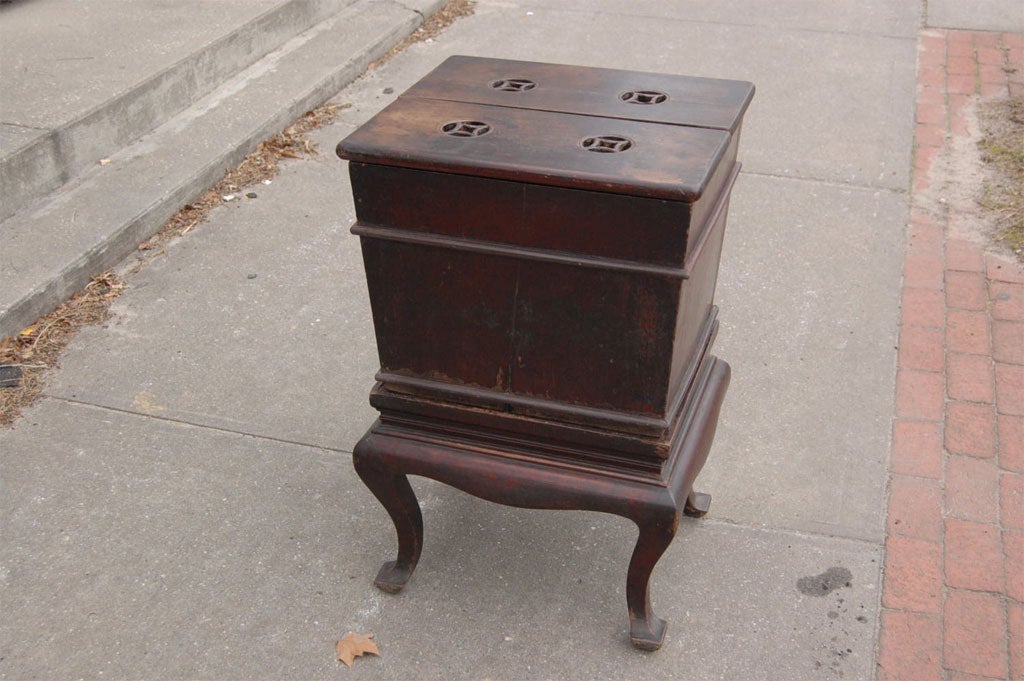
x,y
540,147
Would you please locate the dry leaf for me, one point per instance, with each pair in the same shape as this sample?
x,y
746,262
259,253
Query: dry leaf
x,y
104,161
353,645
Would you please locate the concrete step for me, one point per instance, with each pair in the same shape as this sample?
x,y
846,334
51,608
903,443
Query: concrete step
x,y
93,222
75,91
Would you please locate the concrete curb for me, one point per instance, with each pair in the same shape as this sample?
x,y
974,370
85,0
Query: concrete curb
x,y
53,157
99,219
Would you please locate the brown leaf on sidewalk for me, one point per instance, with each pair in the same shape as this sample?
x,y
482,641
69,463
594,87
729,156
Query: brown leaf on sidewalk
x,y
353,645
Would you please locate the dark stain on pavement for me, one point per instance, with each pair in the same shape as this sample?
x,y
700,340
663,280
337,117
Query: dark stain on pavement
x,y
825,583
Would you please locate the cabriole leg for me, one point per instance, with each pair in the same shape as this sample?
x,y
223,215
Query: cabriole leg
x,y
647,630
395,493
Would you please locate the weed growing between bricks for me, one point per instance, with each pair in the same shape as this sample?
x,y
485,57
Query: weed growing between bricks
x,y
1002,146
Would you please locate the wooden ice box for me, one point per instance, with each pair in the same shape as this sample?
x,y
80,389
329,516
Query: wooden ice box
x,y
541,245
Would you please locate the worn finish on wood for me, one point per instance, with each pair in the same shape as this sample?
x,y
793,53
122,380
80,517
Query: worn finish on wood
x,y
676,162
541,246
607,93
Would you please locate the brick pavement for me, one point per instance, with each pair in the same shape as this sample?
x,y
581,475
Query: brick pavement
x,y
953,591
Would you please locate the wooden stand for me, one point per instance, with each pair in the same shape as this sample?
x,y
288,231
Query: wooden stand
x,y
520,471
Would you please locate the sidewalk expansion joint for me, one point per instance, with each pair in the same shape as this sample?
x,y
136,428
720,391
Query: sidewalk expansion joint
x,y
827,183
202,426
803,534
727,24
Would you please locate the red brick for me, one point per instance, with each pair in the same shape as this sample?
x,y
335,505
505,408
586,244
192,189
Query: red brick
x,y
919,394
972,489
975,634
932,42
922,181
970,429
917,448
923,307
974,556
1011,442
932,113
957,48
992,73
910,647
1015,60
1007,301
915,508
991,56
913,575
927,94
967,331
960,84
922,243
966,290
1008,342
964,255
960,676
985,39
930,135
1012,40
1011,500
924,156
1009,389
921,348
1015,615
922,271
1013,550
969,377
961,65
932,76
924,226
1003,270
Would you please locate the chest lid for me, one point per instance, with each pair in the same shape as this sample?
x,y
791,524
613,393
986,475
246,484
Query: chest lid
x,y
571,128
610,93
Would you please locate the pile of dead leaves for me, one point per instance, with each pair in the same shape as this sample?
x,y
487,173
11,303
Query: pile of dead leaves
x,y
39,346
1002,147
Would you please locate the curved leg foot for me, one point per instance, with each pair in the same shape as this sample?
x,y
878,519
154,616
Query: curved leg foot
x,y
395,493
697,504
647,630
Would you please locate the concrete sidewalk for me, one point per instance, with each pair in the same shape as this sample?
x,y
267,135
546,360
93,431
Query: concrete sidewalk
x,y
181,504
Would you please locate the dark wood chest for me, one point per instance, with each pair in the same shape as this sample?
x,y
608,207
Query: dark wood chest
x,y
541,245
